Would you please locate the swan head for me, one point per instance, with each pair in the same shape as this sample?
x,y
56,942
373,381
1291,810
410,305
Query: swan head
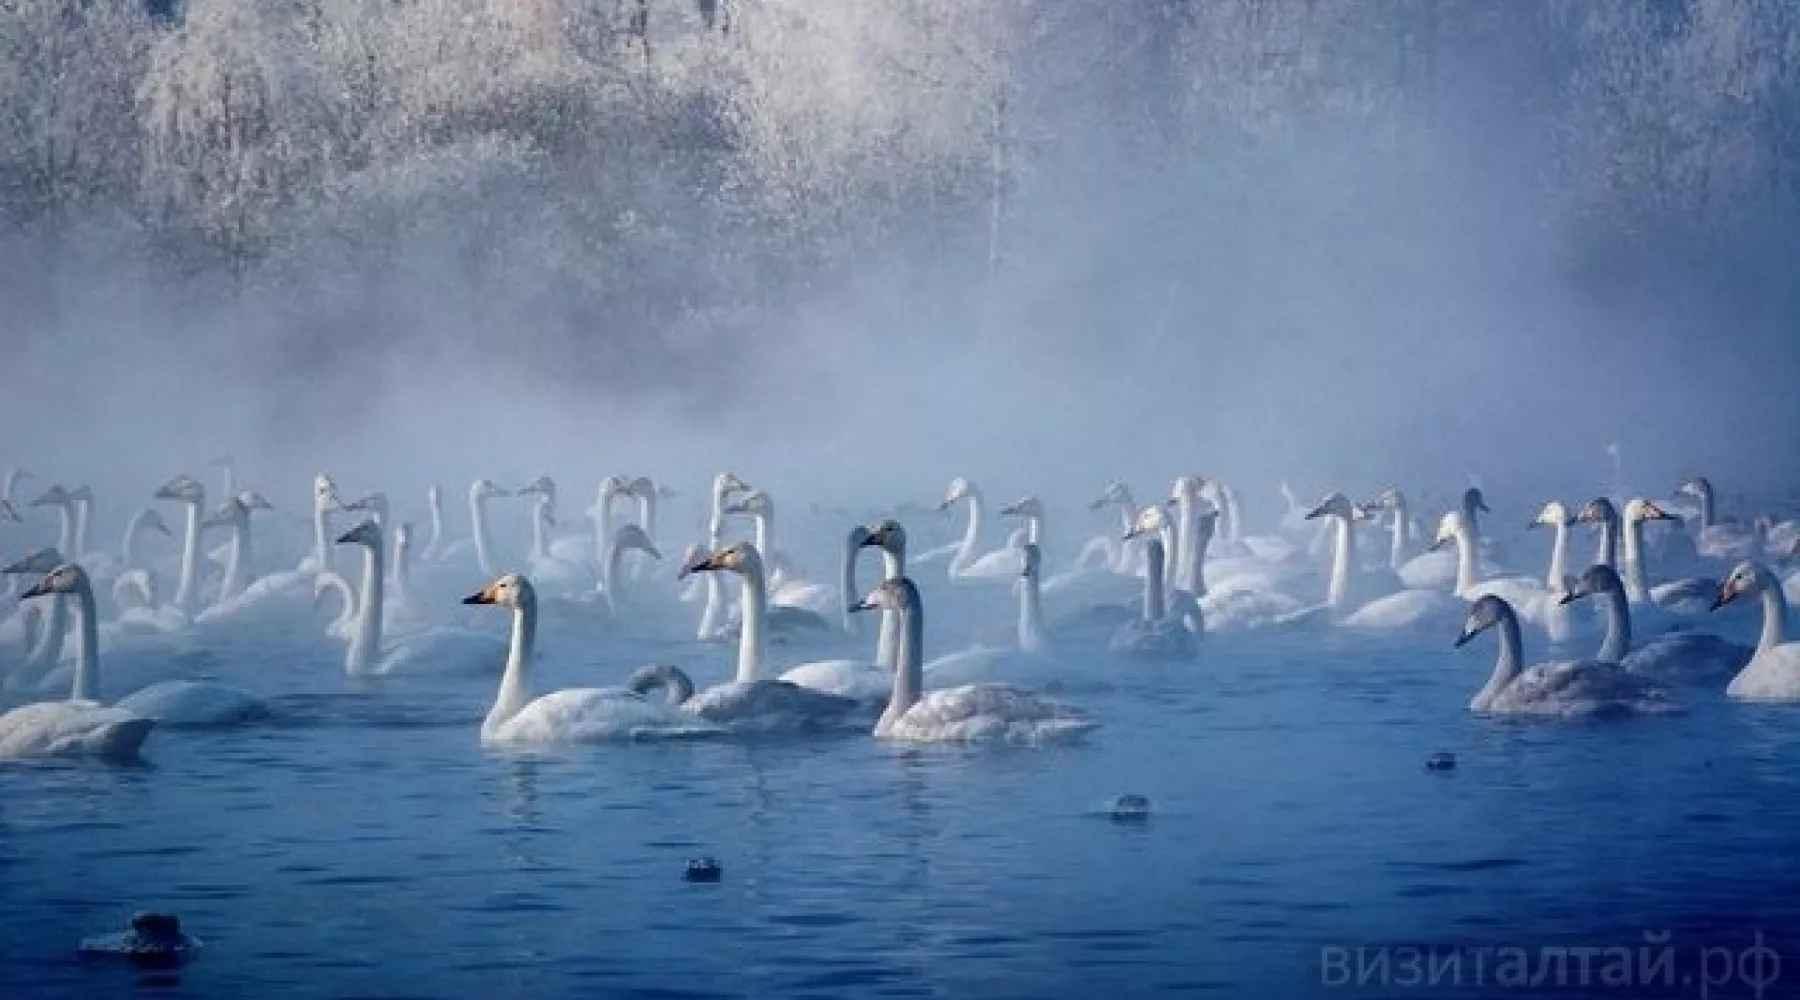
x,y
1149,521
487,489
1390,499
1026,507
887,535
182,489
366,533
1115,492
403,533
1599,510
1745,579
374,503
81,494
434,495
1599,579
1489,610
725,484
1694,486
1186,487
56,496
1450,525
630,536
1639,510
69,578
610,487
643,488
738,558
753,502
510,590
1334,505
542,486
898,594
228,513
325,492
1474,501
960,489
1033,560
41,561
1554,514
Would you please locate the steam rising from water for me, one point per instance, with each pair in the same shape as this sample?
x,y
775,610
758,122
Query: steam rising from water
x,y
853,252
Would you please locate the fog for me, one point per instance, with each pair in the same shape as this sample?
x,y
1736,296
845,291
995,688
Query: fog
x,y
852,250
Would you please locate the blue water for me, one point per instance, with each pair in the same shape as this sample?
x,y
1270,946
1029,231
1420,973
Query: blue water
x,y
366,844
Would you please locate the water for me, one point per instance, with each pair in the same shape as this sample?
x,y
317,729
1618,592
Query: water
x,y
366,844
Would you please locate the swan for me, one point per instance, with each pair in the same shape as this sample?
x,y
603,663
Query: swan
x,y
1351,596
187,491
1554,690
571,715
1716,539
725,485
611,488
1520,591
1160,632
81,725
325,501
1437,569
643,489
135,579
440,649
68,537
1030,664
748,703
975,713
1673,656
1773,673
626,538
9,487
860,680
561,572
965,564
44,648
1690,596
480,539
1107,549
1555,516
235,515
786,589
330,581
1601,513
1400,526
1242,601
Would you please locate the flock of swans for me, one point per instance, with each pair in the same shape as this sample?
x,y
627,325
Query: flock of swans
x,y
1148,591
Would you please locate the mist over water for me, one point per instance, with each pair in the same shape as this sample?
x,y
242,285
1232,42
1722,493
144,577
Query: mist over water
x,y
854,250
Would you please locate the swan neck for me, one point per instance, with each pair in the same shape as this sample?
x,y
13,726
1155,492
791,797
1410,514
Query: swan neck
x,y
84,509
322,548
1196,582
750,636
1618,627
1232,519
965,553
435,540
909,675
1774,626
1031,614
1559,559
87,646
887,646
1397,541
540,528
1155,605
1632,561
1608,552
1506,661
190,559
1343,555
367,643
1707,511
512,695
133,529
609,573
765,527
646,504
53,631
1467,545
603,529
847,584
65,533
1187,519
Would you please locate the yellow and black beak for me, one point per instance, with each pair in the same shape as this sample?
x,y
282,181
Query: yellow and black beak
x,y
700,564
483,596
1727,594
37,589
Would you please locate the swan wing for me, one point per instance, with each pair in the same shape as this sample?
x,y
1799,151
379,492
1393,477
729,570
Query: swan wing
x,y
1688,656
72,728
1581,688
1407,609
989,713
598,715
1770,676
771,706
1692,596
855,679
194,704
1431,571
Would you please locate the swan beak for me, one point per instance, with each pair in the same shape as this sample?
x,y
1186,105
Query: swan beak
x,y
483,596
1316,513
1568,597
1438,544
699,565
1463,639
1654,513
1727,594
38,589
862,605
944,505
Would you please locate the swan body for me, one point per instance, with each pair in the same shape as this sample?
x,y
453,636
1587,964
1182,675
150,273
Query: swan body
x,y
1773,673
1713,538
80,726
572,715
1673,656
749,704
1161,632
967,563
1582,688
974,713
438,649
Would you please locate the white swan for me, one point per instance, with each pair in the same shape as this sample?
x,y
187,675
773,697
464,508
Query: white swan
x,y
1555,619
1716,539
1773,673
187,491
626,538
749,703
1437,569
610,490
435,540
480,540
786,588
1601,513
1553,690
1683,656
1351,594
572,715
861,680
325,501
235,515
80,726
725,485
984,713
69,533
439,649
1031,663
563,572
1002,563
1123,558
1692,595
